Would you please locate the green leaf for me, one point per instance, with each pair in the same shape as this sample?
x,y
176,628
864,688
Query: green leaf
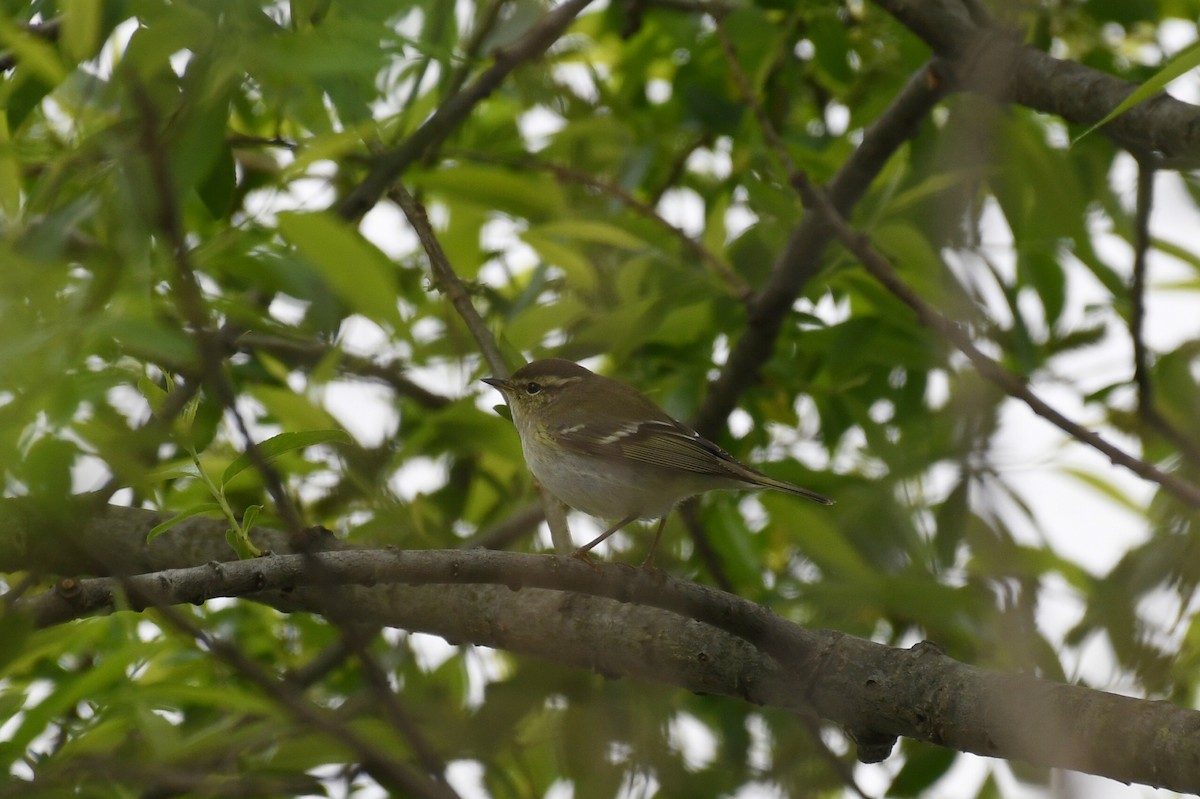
x,y
1105,487
1040,267
592,232
679,325
81,28
525,194
250,516
216,188
195,510
578,268
528,329
923,766
275,446
241,545
152,339
359,274
951,522
32,53
108,671
1185,60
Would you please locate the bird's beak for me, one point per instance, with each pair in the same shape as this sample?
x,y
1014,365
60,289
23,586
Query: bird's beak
x,y
497,382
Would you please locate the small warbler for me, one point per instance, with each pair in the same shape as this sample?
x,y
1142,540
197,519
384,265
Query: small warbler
x,y
606,449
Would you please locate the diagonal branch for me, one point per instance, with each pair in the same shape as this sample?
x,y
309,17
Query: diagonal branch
x,y
800,259
451,114
877,265
1137,287
448,281
386,769
189,297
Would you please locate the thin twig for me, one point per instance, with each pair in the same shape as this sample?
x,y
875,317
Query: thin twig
x,y
447,279
449,283
471,48
390,773
356,638
678,167
308,352
750,96
190,299
1142,378
1137,289
499,536
321,665
704,548
242,140
451,113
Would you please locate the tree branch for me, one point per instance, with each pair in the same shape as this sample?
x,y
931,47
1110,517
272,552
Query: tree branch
x,y
875,691
384,767
1142,378
190,298
448,281
451,114
877,265
994,62
801,257
309,352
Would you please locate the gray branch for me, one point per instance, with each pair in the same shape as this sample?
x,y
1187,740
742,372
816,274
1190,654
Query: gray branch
x,y
993,61
625,622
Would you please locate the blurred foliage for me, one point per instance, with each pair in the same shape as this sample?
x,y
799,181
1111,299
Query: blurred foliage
x,y
143,141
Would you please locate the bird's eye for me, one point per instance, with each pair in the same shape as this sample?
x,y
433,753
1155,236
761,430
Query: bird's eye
x,y
532,388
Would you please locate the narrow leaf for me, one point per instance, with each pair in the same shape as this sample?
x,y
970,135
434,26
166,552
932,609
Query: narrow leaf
x,y
359,274
195,510
1186,59
275,446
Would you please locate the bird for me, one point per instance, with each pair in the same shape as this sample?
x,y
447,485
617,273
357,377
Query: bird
x,y
604,448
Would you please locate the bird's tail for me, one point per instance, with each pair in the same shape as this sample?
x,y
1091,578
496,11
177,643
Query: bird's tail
x,y
758,478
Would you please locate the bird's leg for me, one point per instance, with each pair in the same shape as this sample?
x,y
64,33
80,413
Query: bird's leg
x,y
581,553
648,563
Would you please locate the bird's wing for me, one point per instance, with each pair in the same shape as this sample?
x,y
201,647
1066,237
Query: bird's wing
x,y
660,442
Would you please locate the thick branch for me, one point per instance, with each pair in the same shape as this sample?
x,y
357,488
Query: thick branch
x,y
873,690
1032,78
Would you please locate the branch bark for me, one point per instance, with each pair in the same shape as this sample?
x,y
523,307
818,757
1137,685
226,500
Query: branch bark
x,y
633,623
993,61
